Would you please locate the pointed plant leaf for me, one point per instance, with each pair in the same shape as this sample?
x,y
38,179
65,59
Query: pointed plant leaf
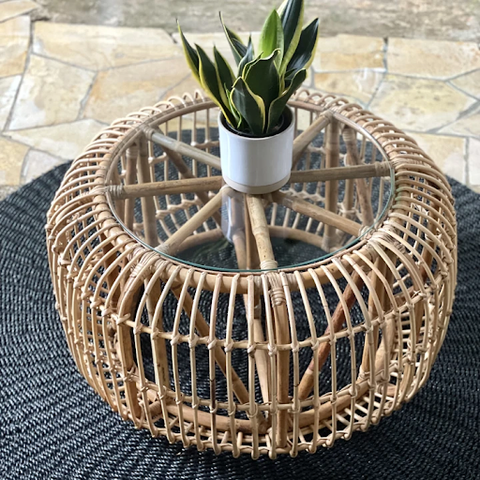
x,y
263,79
242,125
289,74
292,19
271,37
209,80
250,106
281,8
238,48
208,74
303,55
248,57
231,106
283,86
224,75
191,55
249,65
224,70
278,105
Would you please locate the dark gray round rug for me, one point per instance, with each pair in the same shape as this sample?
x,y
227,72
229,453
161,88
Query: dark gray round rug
x,y
53,426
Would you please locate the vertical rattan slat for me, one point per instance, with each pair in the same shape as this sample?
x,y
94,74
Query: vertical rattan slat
x,y
216,319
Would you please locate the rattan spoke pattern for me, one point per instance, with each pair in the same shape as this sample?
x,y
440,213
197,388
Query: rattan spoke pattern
x,y
258,380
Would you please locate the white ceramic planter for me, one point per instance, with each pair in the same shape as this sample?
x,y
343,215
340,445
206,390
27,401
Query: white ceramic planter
x,y
256,165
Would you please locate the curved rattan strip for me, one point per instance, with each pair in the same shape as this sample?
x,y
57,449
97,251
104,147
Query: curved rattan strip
x,y
123,276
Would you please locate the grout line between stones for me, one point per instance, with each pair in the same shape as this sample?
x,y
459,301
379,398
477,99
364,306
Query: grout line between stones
x,y
165,92
83,102
63,62
372,98
6,126
6,133
12,140
448,82
463,114
385,53
106,69
384,74
440,134
27,12
463,74
142,62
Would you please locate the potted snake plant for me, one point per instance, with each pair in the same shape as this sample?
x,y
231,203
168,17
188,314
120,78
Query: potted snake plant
x,y
256,126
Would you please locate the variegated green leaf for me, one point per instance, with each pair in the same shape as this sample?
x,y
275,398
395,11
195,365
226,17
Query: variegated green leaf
x,y
292,19
278,105
238,48
248,65
263,79
191,55
224,70
209,81
303,56
250,106
241,124
271,37
281,8
254,102
248,57
224,74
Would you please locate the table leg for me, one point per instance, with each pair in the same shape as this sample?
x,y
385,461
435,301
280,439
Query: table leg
x,y
259,228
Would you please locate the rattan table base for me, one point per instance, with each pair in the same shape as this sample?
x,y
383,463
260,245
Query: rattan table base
x,y
253,324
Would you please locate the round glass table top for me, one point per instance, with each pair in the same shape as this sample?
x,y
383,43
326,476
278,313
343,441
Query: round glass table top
x,y
181,208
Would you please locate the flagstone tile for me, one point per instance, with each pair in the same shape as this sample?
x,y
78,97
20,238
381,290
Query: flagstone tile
x,y
8,89
37,163
99,47
447,152
51,93
418,104
65,141
16,8
123,90
469,83
349,52
431,58
358,84
474,162
11,161
14,41
468,125
187,85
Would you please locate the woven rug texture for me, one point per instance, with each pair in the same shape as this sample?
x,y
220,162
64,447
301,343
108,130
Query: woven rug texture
x,y
54,426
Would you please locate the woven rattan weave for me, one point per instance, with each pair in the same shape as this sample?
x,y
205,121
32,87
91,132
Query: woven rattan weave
x,y
254,324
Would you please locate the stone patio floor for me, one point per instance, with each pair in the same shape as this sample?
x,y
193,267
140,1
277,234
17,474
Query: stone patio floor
x,y
61,83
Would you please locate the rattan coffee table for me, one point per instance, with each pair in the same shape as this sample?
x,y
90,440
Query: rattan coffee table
x,y
259,324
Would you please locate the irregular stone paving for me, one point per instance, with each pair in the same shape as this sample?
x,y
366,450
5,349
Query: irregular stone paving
x,y
441,19
62,83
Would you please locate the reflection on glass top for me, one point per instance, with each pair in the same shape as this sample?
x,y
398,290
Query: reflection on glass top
x,y
218,228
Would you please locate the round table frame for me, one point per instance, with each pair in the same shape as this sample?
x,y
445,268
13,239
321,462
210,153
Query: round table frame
x,y
401,274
